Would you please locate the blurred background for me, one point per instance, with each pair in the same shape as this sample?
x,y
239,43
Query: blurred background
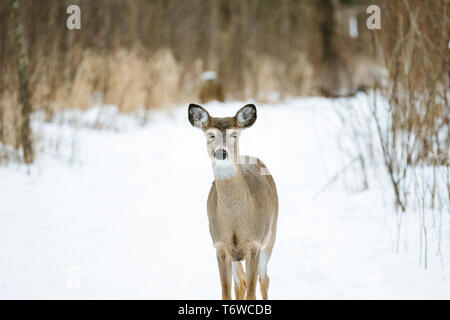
x,y
150,54
147,54
382,97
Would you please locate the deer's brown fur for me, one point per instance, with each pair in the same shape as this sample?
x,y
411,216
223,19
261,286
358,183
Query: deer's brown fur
x,y
242,208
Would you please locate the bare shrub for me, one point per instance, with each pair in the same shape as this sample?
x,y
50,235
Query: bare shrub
x,y
409,127
211,90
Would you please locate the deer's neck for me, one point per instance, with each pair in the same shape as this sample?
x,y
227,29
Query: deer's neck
x,y
232,187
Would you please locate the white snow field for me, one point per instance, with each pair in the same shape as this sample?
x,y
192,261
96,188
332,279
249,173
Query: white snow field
x,y
121,214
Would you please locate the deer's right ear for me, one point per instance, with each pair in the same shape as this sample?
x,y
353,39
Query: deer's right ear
x,y
198,116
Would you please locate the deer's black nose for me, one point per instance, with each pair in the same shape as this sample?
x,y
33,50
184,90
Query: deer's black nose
x,y
220,154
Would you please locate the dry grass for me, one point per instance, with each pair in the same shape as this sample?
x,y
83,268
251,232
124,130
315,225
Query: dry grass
x,y
409,134
150,54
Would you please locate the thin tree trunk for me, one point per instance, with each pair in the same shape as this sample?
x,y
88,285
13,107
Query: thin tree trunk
x,y
1,113
285,52
425,235
212,63
24,95
327,27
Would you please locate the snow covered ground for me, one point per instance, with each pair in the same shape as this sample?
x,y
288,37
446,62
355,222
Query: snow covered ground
x,y
122,214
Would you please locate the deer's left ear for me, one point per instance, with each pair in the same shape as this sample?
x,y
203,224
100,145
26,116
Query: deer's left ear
x,y
246,116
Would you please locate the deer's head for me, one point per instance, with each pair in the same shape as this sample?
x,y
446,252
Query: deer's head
x,y
222,136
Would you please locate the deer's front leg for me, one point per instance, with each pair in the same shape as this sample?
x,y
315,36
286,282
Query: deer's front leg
x,y
224,262
251,265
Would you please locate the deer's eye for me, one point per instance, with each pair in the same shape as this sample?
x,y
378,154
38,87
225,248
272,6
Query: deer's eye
x,y
234,135
211,136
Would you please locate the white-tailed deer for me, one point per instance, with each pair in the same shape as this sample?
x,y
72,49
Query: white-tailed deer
x,y
242,204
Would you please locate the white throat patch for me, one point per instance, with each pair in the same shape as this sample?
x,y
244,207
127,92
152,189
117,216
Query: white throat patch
x,y
224,169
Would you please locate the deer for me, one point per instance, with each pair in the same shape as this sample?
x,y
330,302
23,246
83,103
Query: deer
x,y
242,204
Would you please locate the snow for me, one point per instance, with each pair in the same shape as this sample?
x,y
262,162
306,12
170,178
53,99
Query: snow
x,y
353,27
209,75
121,214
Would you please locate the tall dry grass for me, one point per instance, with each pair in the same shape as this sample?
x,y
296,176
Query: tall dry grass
x,y
407,131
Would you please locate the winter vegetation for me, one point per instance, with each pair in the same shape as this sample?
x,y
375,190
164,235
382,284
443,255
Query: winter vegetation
x,y
102,177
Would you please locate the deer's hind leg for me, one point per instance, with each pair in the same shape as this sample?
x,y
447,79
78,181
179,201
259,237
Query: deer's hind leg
x,y
263,277
224,262
239,280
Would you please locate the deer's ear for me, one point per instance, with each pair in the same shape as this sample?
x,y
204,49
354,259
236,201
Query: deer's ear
x,y
198,116
246,116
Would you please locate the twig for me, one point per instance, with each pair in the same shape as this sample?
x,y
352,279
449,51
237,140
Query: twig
x,y
330,182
